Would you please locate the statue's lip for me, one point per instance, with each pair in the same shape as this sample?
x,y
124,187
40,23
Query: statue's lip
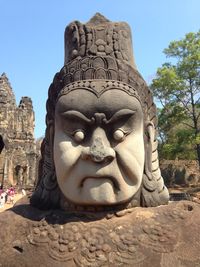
x,y
108,177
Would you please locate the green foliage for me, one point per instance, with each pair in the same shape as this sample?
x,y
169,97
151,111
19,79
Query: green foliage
x,y
178,145
177,87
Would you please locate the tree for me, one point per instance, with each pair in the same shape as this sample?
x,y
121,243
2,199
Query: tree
x,y
177,87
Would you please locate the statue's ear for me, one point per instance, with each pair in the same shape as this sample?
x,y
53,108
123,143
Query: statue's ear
x,y
149,139
51,140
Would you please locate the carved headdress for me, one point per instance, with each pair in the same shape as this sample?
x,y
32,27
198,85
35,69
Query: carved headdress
x,y
99,50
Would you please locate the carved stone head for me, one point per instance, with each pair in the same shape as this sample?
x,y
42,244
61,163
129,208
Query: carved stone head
x,y
100,147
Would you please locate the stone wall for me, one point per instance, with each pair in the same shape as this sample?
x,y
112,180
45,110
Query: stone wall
x,y
180,172
18,155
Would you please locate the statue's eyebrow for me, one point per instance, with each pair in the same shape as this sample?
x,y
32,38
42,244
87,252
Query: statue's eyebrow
x,y
75,115
121,114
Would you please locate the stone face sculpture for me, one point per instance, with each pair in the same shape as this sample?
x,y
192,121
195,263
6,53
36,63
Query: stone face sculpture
x,y
99,170
100,147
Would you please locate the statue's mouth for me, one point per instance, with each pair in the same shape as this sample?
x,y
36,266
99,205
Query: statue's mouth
x,y
109,178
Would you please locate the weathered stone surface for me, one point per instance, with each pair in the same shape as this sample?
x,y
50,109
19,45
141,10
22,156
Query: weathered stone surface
x,y
141,237
18,156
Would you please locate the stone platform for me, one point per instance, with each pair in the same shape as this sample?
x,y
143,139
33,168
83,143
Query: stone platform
x,y
141,237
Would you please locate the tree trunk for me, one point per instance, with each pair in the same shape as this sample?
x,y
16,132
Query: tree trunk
x,y
198,153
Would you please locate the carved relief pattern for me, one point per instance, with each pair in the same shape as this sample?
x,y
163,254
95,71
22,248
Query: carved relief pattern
x,y
99,87
62,240
128,250
159,238
106,38
98,243
95,247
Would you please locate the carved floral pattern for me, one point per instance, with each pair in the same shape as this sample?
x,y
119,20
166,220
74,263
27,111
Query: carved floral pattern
x,y
94,247
66,242
62,240
158,237
127,243
98,244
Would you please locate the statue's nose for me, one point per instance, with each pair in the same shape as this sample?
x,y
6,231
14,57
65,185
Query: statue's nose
x,y
100,149
100,152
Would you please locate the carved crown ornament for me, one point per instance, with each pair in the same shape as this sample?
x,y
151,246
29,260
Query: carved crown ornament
x,y
101,50
99,87
99,37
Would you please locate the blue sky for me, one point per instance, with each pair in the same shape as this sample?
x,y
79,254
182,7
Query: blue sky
x,y
32,38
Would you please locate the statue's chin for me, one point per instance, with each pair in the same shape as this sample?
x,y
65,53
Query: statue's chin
x,y
98,191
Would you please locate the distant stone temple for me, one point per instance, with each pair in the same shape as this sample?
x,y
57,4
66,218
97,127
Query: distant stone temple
x,y
17,143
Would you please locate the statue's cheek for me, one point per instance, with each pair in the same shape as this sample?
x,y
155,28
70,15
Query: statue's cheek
x,y
133,146
67,154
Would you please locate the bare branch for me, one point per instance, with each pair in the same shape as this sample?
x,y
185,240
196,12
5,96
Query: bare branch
x,y
163,104
186,107
189,125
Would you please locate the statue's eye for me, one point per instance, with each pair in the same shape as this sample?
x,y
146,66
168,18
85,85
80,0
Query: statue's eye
x,y
79,136
119,135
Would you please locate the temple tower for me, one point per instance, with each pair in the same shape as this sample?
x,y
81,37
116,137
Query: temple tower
x,y
17,143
